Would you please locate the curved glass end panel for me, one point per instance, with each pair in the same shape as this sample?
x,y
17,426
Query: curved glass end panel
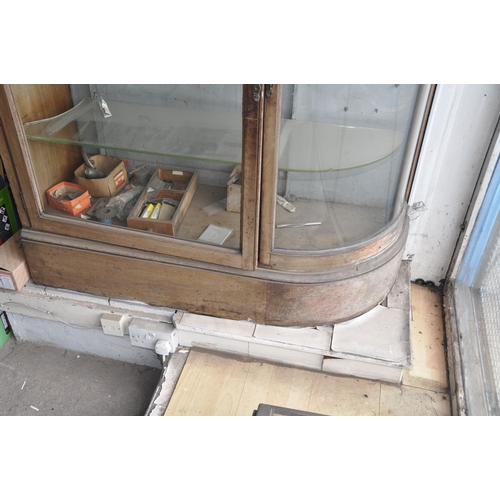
x,y
340,163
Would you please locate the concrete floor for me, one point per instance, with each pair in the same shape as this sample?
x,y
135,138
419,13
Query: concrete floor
x,y
38,380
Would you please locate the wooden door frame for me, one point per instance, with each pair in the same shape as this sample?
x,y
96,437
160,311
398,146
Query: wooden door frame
x,y
326,259
21,104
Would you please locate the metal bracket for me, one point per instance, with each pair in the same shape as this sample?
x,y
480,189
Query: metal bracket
x,y
102,103
269,90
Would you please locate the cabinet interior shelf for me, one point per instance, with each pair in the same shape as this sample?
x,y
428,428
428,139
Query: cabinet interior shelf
x,y
212,136
140,128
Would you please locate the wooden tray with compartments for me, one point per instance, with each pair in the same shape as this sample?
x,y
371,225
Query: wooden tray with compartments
x,y
180,187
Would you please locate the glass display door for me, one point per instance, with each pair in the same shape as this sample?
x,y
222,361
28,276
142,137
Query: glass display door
x,y
164,166
238,175
334,159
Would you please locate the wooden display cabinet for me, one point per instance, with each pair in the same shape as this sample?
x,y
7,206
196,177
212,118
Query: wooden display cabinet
x,y
304,276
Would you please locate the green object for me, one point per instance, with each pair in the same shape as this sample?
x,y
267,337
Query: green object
x,y
5,328
8,219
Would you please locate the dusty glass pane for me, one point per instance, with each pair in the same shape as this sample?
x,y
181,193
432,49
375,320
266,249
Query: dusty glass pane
x,y
340,157
179,144
144,128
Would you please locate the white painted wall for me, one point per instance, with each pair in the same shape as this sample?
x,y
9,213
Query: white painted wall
x,y
460,128
72,320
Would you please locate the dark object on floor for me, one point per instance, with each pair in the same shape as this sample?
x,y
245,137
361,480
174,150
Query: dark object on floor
x,y
278,411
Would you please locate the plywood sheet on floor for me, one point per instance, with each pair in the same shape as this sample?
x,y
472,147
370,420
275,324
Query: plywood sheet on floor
x,y
428,342
215,384
208,385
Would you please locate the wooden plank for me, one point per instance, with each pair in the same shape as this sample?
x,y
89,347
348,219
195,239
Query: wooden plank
x,y
211,383
208,385
275,385
155,283
428,341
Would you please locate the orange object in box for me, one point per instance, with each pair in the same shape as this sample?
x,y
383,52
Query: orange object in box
x,y
72,207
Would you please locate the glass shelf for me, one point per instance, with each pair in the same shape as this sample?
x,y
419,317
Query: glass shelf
x,y
323,147
181,133
212,136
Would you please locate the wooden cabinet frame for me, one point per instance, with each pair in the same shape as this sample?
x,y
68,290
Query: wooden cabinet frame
x,y
17,101
258,282
306,261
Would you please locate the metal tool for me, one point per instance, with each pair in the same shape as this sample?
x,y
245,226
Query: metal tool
x,y
299,224
89,163
93,173
106,214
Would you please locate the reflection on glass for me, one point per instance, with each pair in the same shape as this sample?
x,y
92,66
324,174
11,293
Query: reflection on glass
x,y
340,158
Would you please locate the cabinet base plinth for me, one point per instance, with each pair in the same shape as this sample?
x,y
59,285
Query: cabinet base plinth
x,y
262,297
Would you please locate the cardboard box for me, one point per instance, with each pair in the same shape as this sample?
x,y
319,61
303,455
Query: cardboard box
x,y
169,220
72,207
5,328
108,186
14,272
